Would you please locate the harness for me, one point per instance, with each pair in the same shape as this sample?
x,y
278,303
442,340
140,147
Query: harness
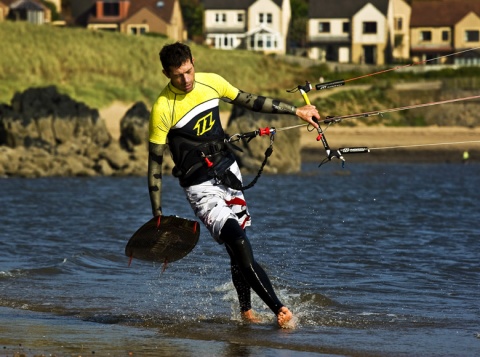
x,y
199,158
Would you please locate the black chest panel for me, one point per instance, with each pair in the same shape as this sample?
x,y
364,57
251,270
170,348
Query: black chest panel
x,y
199,149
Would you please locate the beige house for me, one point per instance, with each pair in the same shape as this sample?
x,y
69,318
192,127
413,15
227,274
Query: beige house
x,y
132,17
58,4
401,30
455,27
351,31
3,10
371,38
256,25
467,35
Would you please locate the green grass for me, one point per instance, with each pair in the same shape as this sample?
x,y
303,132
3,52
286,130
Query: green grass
x,y
99,67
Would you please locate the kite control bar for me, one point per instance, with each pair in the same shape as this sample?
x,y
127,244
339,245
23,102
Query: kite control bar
x,y
331,154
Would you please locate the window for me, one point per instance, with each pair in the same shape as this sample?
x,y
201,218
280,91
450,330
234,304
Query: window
x,y
369,27
220,17
240,17
36,17
346,27
445,35
472,36
137,29
263,41
324,27
425,35
111,9
225,42
398,23
265,18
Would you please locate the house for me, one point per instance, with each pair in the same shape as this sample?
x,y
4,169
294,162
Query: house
x,y
401,30
255,25
3,10
25,10
134,17
455,27
351,31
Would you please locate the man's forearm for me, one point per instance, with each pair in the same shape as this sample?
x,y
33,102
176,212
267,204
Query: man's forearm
x,y
263,104
155,161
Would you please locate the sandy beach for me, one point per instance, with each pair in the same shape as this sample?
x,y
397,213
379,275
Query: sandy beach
x,y
423,144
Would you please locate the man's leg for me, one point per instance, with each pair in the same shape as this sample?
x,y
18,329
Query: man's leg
x,y
241,286
240,249
243,292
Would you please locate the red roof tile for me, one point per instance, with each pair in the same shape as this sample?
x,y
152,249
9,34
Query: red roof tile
x,y
441,12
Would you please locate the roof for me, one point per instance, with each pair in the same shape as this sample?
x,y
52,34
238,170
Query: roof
x,y
334,9
164,12
7,2
83,10
447,12
31,5
232,4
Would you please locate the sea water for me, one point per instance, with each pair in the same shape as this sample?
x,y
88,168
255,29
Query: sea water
x,y
373,259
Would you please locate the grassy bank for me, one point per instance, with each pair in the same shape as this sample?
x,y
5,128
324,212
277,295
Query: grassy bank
x,y
99,68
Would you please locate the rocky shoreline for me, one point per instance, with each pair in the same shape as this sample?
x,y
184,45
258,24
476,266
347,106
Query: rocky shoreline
x,y
44,133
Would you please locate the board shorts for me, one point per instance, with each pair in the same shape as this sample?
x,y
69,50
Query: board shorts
x,y
214,203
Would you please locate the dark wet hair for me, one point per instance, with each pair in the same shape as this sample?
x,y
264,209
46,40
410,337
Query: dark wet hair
x,y
174,55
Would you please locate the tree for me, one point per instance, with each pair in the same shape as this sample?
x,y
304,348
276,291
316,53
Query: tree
x,y
192,11
297,32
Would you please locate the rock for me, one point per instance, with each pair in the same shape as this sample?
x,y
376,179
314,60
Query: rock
x,y
134,127
117,159
52,135
104,168
134,139
285,157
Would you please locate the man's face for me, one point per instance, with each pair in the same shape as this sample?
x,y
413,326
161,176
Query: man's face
x,y
183,77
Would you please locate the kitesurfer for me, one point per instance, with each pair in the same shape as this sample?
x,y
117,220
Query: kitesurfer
x,y
186,116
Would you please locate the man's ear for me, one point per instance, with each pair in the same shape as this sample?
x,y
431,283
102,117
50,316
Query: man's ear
x,y
166,73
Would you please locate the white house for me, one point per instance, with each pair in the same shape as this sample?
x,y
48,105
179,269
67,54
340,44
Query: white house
x,y
257,25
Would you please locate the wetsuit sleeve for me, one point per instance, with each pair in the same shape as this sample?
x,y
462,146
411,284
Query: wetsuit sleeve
x,y
155,161
263,104
159,126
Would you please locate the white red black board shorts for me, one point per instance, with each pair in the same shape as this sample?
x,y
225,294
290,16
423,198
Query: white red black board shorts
x,y
213,203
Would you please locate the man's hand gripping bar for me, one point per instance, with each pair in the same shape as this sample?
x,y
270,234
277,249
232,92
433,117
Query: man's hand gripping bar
x,y
329,120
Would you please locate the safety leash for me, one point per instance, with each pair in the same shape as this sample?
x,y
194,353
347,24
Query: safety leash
x,y
229,179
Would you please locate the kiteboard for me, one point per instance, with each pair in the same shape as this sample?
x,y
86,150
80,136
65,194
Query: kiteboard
x,y
163,239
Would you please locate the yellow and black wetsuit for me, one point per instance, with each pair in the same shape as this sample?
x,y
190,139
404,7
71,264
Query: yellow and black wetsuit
x,y
191,123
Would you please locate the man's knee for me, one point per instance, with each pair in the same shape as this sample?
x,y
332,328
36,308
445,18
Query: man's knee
x,y
237,243
231,231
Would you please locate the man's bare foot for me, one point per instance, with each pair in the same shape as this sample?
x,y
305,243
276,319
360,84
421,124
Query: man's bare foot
x,y
249,316
284,317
